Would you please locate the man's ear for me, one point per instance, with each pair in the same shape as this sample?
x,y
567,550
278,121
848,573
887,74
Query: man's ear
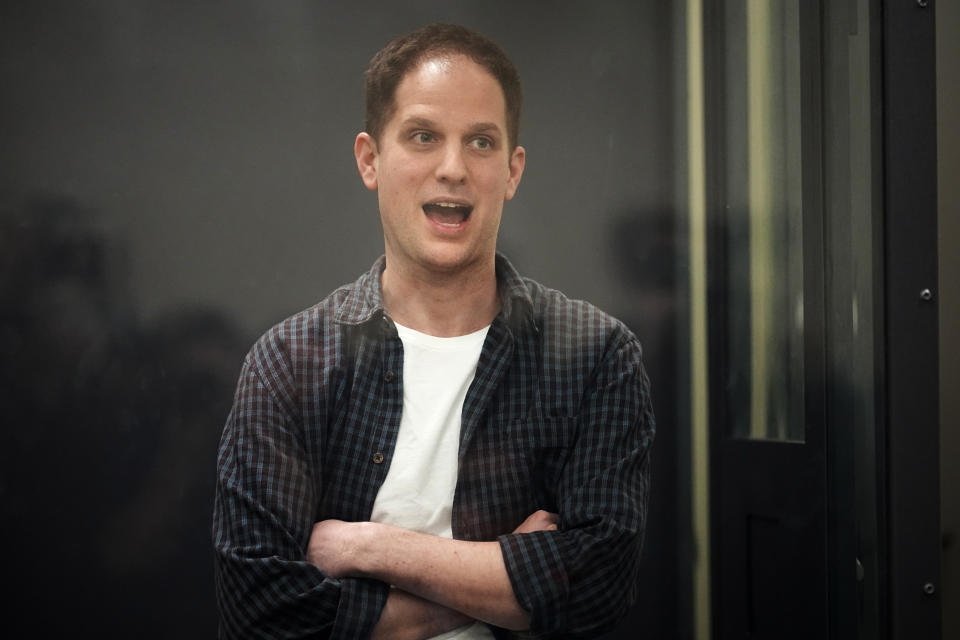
x,y
365,150
517,161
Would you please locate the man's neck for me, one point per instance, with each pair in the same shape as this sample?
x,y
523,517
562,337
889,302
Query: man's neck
x,y
444,305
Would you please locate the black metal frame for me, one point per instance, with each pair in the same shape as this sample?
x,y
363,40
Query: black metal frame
x,y
911,346
904,584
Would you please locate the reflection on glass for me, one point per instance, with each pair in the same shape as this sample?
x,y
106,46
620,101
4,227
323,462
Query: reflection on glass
x,y
852,216
764,208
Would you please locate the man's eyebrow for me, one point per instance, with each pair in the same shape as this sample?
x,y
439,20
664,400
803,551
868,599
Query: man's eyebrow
x,y
426,123
484,127
416,121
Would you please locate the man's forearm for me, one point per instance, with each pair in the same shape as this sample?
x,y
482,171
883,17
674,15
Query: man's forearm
x,y
409,617
469,577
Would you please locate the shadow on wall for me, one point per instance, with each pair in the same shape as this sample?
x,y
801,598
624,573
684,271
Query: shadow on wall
x,y
110,438
108,457
644,255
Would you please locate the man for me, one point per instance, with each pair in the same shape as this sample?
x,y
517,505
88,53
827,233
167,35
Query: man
x,y
441,447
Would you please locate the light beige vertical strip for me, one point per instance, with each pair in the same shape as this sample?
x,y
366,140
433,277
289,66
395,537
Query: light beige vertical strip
x,y
948,194
700,460
760,161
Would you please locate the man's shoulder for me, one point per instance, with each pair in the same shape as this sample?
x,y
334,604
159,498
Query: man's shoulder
x,y
581,349
561,317
553,312
313,330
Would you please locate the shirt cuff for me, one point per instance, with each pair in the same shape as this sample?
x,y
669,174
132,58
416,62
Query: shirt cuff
x,y
361,603
538,575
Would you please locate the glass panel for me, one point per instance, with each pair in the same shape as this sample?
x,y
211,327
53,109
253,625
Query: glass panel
x,y
764,231
169,193
852,208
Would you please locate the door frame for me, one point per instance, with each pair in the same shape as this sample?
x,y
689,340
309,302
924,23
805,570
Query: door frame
x,y
911,323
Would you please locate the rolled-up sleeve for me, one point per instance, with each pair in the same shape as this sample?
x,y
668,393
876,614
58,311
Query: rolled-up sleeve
x,y
265,504
582,578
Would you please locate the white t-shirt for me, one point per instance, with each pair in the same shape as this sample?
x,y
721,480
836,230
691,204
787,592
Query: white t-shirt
x,y
417,493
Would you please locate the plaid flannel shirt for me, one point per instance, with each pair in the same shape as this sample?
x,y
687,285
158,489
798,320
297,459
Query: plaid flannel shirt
x,y
558,417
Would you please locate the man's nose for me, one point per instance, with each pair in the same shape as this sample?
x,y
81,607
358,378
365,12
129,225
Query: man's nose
x,y
452,167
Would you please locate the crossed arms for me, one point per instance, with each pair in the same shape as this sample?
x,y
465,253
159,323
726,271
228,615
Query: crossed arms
x,y
439,584
279,572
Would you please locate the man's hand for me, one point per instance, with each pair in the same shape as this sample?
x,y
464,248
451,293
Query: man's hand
x,y
538,521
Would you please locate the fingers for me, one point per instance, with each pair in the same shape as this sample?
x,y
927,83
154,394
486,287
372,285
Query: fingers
x,y
547,520
539,520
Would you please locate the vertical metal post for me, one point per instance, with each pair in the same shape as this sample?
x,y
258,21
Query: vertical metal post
x,y
910,226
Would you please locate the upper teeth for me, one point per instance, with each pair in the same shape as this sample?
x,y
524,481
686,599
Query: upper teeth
x,y
451,205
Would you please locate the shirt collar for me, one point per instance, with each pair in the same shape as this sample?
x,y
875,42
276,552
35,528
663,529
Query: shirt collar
x,y
364,302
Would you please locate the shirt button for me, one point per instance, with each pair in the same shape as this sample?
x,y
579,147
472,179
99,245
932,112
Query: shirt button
x,y
388,376
377,458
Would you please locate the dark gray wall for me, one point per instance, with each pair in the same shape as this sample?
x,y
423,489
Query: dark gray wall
x,y
216,143
178,176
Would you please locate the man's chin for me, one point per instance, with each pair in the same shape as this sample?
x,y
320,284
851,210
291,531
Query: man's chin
x,y
452,260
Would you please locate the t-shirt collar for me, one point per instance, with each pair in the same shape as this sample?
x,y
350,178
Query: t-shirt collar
x,y
364,301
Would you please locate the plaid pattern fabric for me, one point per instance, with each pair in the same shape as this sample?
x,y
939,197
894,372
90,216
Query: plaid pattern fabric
x,y
558,417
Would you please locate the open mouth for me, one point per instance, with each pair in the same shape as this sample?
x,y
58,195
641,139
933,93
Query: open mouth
x,y
447,214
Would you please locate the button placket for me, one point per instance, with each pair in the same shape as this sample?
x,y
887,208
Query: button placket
x,y
390,374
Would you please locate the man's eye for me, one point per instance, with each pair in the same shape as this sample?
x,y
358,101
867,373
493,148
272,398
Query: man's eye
x,y
482,143
422,137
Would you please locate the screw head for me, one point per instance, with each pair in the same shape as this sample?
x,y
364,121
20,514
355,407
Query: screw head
x,y
929,589
926,294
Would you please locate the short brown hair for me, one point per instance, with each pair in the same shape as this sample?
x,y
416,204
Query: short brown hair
x,y
389,66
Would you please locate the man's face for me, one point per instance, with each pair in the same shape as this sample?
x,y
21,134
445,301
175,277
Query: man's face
x,y
442,168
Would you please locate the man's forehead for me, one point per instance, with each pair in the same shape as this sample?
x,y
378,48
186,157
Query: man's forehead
x,y
434,74
436,64
445,67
